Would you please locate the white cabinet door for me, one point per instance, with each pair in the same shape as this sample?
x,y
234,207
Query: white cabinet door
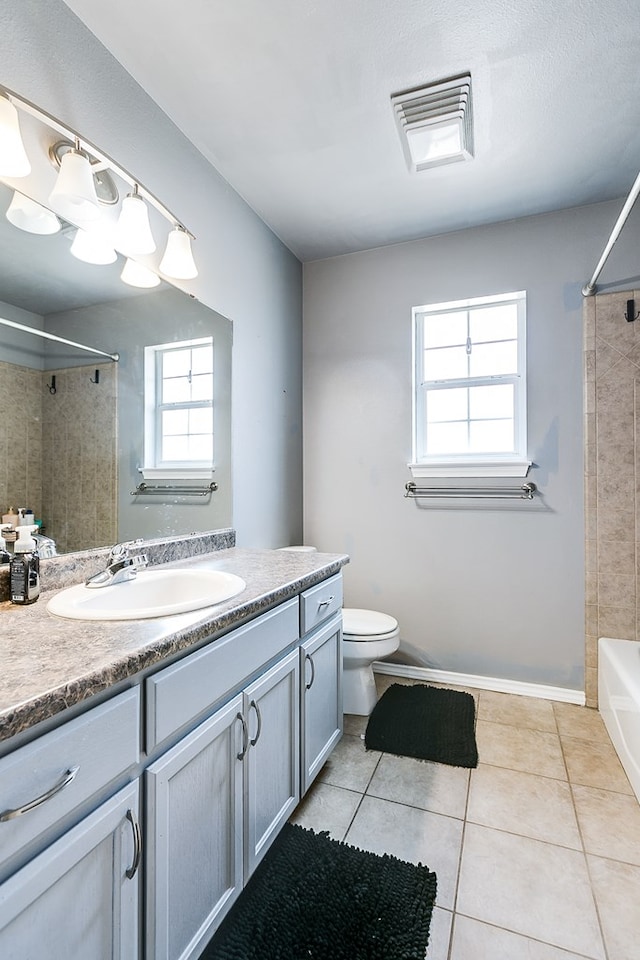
x,y
272,762
194,842
78,900
321,681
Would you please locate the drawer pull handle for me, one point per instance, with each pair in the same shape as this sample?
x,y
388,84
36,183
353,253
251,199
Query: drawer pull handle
x,y
245,737
259,716
325,603
137,845
67,777
313,672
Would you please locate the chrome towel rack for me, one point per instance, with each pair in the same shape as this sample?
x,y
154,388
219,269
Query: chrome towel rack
x,y
178,489
523,492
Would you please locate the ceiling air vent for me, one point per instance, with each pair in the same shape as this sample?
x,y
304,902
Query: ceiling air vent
x,y
435,122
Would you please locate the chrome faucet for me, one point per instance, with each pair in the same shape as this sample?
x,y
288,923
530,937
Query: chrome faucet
x,y
120,567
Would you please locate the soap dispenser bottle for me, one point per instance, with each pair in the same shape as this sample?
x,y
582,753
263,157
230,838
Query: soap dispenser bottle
x,y
24,569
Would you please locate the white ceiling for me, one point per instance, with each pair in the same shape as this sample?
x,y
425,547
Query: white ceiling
x,y
290,100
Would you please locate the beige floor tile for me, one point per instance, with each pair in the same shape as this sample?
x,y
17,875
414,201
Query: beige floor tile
x,y
354,726
536,807
473,940
518,711
531,751
617,891
326,807
417,836
536,889
594,765
439,934
430,786
610,824
384,681
583,723
350,765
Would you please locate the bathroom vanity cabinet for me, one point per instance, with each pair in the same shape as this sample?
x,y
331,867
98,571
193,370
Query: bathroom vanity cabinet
x,y
155,807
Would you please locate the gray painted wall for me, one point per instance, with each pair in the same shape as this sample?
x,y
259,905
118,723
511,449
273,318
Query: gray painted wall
x,y
485,590
18,347
247,274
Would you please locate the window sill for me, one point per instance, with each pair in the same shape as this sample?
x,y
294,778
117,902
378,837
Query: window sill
x,y
450,469
196,474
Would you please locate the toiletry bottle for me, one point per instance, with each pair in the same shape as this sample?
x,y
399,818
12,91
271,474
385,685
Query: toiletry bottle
x,y
10,517
24,569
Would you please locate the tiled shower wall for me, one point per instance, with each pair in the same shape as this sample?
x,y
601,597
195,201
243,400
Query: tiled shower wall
x,y
58,452
612,458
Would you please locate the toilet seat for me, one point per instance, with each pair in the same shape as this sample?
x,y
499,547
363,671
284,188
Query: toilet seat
x,y
367,625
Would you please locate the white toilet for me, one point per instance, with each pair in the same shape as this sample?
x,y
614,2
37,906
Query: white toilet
x,y
366,636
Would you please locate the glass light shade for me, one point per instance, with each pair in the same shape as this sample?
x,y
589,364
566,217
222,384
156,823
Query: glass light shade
x,y
133,231
74,194
178,261
91,247
14,161
30,216
137,275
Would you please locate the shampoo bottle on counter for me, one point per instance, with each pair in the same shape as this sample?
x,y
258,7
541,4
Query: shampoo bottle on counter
x,y
24,569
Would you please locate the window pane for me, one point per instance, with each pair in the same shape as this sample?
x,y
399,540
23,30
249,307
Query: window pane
x,y
176,363
177,390
202,387
494,323
446,405
491,359
175,448
201,448
491,436
202,359
488,403
447,438
175,422
445,329
201,420
448,363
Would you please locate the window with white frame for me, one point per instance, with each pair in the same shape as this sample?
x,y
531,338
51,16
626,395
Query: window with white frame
x,y
179,405
469,398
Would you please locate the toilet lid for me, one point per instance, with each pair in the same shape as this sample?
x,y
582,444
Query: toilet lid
x,y
366,623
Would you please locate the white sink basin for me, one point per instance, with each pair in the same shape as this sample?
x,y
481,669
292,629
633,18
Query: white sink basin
x,y
153,593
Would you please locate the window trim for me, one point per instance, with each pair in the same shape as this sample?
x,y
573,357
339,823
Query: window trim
x,y
514,464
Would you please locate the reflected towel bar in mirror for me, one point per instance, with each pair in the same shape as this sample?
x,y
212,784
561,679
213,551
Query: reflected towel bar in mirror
x,y
180,489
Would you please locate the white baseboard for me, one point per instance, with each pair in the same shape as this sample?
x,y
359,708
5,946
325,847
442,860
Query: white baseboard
x,y
563,694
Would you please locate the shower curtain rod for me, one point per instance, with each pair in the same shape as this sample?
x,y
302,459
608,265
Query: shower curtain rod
x,y
590,288
52,336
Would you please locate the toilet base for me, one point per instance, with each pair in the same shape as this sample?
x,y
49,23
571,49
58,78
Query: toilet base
x,y
359,694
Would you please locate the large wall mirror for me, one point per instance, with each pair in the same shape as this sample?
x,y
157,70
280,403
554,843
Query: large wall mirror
x,y
72,422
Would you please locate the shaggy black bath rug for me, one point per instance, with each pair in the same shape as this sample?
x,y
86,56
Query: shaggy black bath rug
x,y
313,898
429,723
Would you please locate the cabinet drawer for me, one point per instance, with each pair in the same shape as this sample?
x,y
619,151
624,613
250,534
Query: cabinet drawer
x,y
90,752
320,602
183,692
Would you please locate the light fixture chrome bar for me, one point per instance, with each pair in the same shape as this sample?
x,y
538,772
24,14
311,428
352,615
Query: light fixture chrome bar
x,y
523,492
52,336
104,161
590,288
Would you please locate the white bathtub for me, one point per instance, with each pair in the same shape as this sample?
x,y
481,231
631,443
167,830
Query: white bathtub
x,y
619,701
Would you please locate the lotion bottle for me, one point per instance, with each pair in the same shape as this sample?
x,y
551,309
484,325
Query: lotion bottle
x,y
24,569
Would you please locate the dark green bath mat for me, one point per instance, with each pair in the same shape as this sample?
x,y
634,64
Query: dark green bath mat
x,y
429,723
313,898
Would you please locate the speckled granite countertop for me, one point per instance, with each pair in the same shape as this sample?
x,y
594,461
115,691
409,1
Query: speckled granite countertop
x,y
49,664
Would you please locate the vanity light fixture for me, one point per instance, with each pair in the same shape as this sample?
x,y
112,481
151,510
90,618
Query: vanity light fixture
x,y
14,161
435,122
133,230
26,214
178,261
74,194
137,275
92,247
85,185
